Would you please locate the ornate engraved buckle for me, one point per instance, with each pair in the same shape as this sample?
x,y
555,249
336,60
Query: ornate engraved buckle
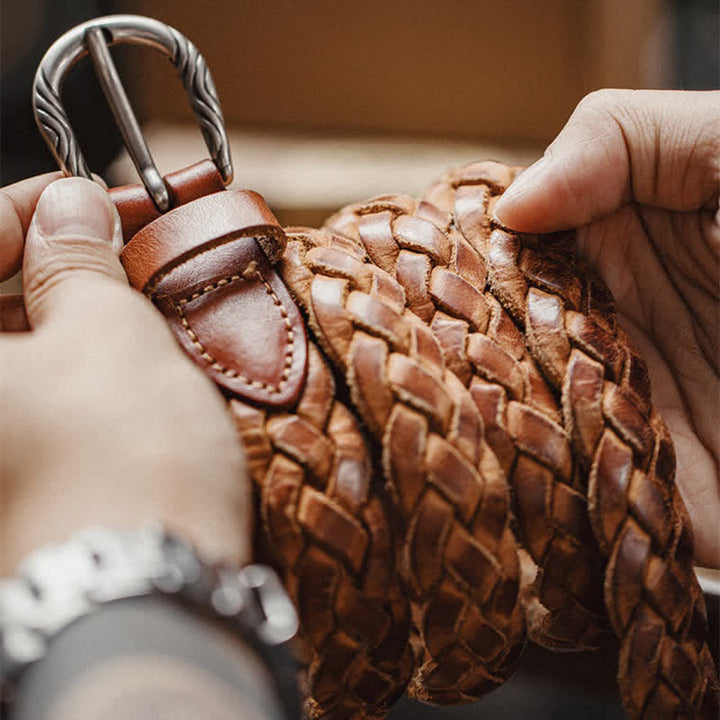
x,y
95,37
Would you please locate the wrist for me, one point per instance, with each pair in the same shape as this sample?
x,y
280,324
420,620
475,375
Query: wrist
x,y
60,585
147,658
49,507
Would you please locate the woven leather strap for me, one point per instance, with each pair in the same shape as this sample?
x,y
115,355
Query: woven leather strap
x,y
482,292
456,553
444,355
322,522
624,450
444,280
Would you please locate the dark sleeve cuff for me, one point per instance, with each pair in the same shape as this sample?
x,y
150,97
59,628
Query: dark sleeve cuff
x,y
146,658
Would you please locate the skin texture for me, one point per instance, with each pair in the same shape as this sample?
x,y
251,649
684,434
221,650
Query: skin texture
x,y
104,420
639,173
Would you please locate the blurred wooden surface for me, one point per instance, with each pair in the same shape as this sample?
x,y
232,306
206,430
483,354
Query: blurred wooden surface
x,y
505,71
306,177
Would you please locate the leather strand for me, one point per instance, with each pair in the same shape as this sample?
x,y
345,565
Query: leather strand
x,y
456,553
464,442
445,279
623,447
601,459
324,525
322,521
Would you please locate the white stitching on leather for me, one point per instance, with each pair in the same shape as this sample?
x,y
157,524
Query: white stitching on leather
x,y
250,272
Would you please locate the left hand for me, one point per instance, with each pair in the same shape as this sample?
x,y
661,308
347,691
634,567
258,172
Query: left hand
x,y
103,420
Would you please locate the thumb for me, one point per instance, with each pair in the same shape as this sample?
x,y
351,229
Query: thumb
x,y
72,241
652,147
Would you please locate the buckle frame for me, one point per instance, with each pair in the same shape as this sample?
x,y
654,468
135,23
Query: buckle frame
x,y
94,38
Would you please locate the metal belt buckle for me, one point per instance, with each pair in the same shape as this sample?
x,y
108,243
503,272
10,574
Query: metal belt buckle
x,y
94,38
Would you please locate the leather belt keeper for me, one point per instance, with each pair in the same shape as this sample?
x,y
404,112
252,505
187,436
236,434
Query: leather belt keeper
x,y
137,208
206,264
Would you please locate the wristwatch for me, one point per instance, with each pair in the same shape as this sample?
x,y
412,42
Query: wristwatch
x,y
59,584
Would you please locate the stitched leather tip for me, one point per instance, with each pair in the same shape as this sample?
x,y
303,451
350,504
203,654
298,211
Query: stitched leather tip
x,y
234,316
207,267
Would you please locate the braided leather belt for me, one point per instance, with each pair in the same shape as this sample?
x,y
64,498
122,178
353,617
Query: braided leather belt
x,y
451,439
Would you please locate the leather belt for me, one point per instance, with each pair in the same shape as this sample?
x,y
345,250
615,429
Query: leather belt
x,y
450,437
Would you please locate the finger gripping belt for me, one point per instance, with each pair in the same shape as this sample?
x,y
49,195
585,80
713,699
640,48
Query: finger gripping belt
x,y
450,439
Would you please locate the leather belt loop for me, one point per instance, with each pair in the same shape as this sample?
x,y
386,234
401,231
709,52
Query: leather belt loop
x,y
208,267
196,227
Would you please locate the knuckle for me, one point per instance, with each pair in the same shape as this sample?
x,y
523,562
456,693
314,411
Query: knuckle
x,y
635,112
606,100
65,256
56,272
65,262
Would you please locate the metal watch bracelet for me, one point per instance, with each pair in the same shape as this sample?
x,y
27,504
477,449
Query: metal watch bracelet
x,y
59,584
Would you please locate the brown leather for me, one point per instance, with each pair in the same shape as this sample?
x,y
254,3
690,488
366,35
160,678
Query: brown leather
x,y
173,238
324,519
205,265
137,209
516,315
444,279
446,358
324,522
455,551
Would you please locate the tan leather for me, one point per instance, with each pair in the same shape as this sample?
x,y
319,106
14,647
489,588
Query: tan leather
x,y
444,279
455,551
323,516
469,416
592,472
137,209
325,523
205,265
177,235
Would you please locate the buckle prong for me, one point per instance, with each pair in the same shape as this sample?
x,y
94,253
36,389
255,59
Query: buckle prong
x,y
95,38
125,117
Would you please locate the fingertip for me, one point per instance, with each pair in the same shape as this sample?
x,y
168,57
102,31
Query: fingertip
x,y
100,181
71,249
17,205
74,206
532,203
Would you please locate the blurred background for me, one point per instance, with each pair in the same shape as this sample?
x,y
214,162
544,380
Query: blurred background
x,y
328,102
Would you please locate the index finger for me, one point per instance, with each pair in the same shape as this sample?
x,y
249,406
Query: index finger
x,y
17,205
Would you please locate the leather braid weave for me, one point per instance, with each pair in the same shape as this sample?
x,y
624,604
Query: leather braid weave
x,y
625,460
449,353
624,449
456,552
326,528
445,282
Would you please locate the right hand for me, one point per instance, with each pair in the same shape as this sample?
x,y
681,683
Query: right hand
x,y
639,173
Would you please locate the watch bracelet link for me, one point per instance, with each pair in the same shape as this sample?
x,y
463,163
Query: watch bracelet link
x,y
59,584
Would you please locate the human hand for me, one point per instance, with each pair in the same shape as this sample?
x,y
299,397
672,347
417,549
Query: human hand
x,y
104,420
639,173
